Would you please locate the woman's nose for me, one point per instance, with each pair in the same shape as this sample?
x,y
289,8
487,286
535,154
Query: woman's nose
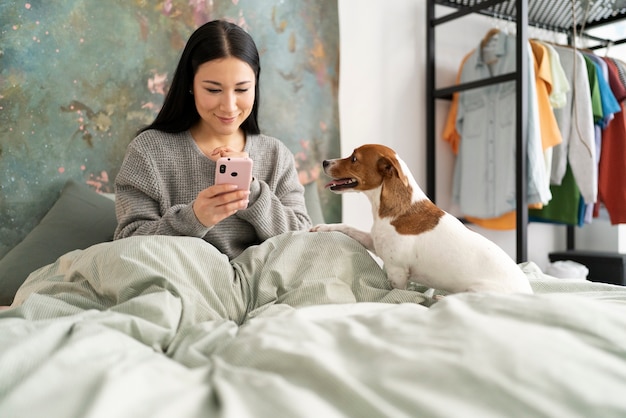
x,y
229,102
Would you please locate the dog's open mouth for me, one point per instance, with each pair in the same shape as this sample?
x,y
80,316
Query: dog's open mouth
x,y
341,184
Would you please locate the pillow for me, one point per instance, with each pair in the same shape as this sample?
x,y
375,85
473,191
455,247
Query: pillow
x,y
79,218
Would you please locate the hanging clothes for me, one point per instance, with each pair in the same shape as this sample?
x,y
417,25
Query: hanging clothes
x,y
564,208
560,83
574,175
598,117
612,167
452,136
621,69
550,132
615,83
484,179
576,122
596,100
548,129
610,106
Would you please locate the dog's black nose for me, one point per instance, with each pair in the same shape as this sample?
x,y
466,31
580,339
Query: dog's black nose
x,y
325,163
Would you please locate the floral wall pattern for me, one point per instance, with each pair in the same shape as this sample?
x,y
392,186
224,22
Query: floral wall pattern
x,y
79,77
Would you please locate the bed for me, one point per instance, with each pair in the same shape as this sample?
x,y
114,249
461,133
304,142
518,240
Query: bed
x,y
167,327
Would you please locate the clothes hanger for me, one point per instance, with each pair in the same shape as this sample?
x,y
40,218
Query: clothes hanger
x,y
490,34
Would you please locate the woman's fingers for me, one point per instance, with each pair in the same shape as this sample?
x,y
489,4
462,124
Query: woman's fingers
x,y
227,151
218,202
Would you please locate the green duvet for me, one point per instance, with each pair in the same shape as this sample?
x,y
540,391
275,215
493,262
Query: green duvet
x,y
303,325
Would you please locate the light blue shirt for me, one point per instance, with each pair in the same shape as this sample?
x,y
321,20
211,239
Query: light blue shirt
x,y
484,177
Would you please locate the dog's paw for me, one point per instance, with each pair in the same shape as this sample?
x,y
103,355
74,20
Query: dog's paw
x,y
396,283
397,275
324,228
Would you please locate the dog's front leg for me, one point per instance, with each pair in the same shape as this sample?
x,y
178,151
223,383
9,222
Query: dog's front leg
x,y
398,276
364,238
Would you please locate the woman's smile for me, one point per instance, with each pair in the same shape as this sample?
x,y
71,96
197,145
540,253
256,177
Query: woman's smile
x,y
227,120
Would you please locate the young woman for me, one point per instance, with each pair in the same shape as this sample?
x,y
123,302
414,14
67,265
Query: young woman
x,y
166,183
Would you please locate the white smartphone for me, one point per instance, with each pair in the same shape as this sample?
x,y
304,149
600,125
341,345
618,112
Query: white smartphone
x,y
234,170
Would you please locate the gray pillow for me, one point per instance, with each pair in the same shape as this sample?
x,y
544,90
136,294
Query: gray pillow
x,y
79,218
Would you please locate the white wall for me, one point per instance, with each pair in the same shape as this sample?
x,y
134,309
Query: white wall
x,y
381,85
382,99
381,93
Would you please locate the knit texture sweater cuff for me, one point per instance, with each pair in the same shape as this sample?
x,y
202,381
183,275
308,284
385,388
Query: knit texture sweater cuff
x,y
188,223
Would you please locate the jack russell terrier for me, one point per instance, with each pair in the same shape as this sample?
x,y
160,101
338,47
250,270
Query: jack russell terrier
x,y
415,239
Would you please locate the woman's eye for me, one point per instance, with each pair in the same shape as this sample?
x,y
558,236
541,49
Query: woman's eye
x,y
213,91
241,90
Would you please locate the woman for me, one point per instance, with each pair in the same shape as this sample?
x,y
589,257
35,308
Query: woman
x,y
165,185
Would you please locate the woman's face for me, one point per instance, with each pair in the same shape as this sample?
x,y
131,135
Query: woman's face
x,y
223,91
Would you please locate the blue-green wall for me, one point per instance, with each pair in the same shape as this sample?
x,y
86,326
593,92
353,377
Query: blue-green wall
x,y
79,77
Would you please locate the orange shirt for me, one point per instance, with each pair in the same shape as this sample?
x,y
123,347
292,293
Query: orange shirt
x,y
550,132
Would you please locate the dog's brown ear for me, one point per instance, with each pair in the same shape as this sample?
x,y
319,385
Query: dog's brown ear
x,y
390,167
385,166
395,193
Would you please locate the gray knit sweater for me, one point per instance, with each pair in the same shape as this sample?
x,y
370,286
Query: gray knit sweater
x,y
162,174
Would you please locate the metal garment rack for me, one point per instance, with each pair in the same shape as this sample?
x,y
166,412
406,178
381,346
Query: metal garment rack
x,y
554,15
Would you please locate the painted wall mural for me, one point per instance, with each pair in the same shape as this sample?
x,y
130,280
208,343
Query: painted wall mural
x,y
79,77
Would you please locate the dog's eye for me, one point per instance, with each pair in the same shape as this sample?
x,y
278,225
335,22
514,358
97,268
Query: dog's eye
x,y
353,159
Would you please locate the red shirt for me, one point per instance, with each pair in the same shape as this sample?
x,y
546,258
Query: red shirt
x,y
612,166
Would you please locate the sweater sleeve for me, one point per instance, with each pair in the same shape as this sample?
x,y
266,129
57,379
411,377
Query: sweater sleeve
x,y
142,204
283,210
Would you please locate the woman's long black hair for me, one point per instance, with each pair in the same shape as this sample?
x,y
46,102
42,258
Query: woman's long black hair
x,y
213,40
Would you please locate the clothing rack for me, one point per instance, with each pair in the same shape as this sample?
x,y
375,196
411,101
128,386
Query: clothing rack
x,y
564,16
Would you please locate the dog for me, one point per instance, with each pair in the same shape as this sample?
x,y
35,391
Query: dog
x,y
415,239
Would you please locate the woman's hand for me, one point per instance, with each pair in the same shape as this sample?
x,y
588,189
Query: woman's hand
x,y
218,202
226,151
